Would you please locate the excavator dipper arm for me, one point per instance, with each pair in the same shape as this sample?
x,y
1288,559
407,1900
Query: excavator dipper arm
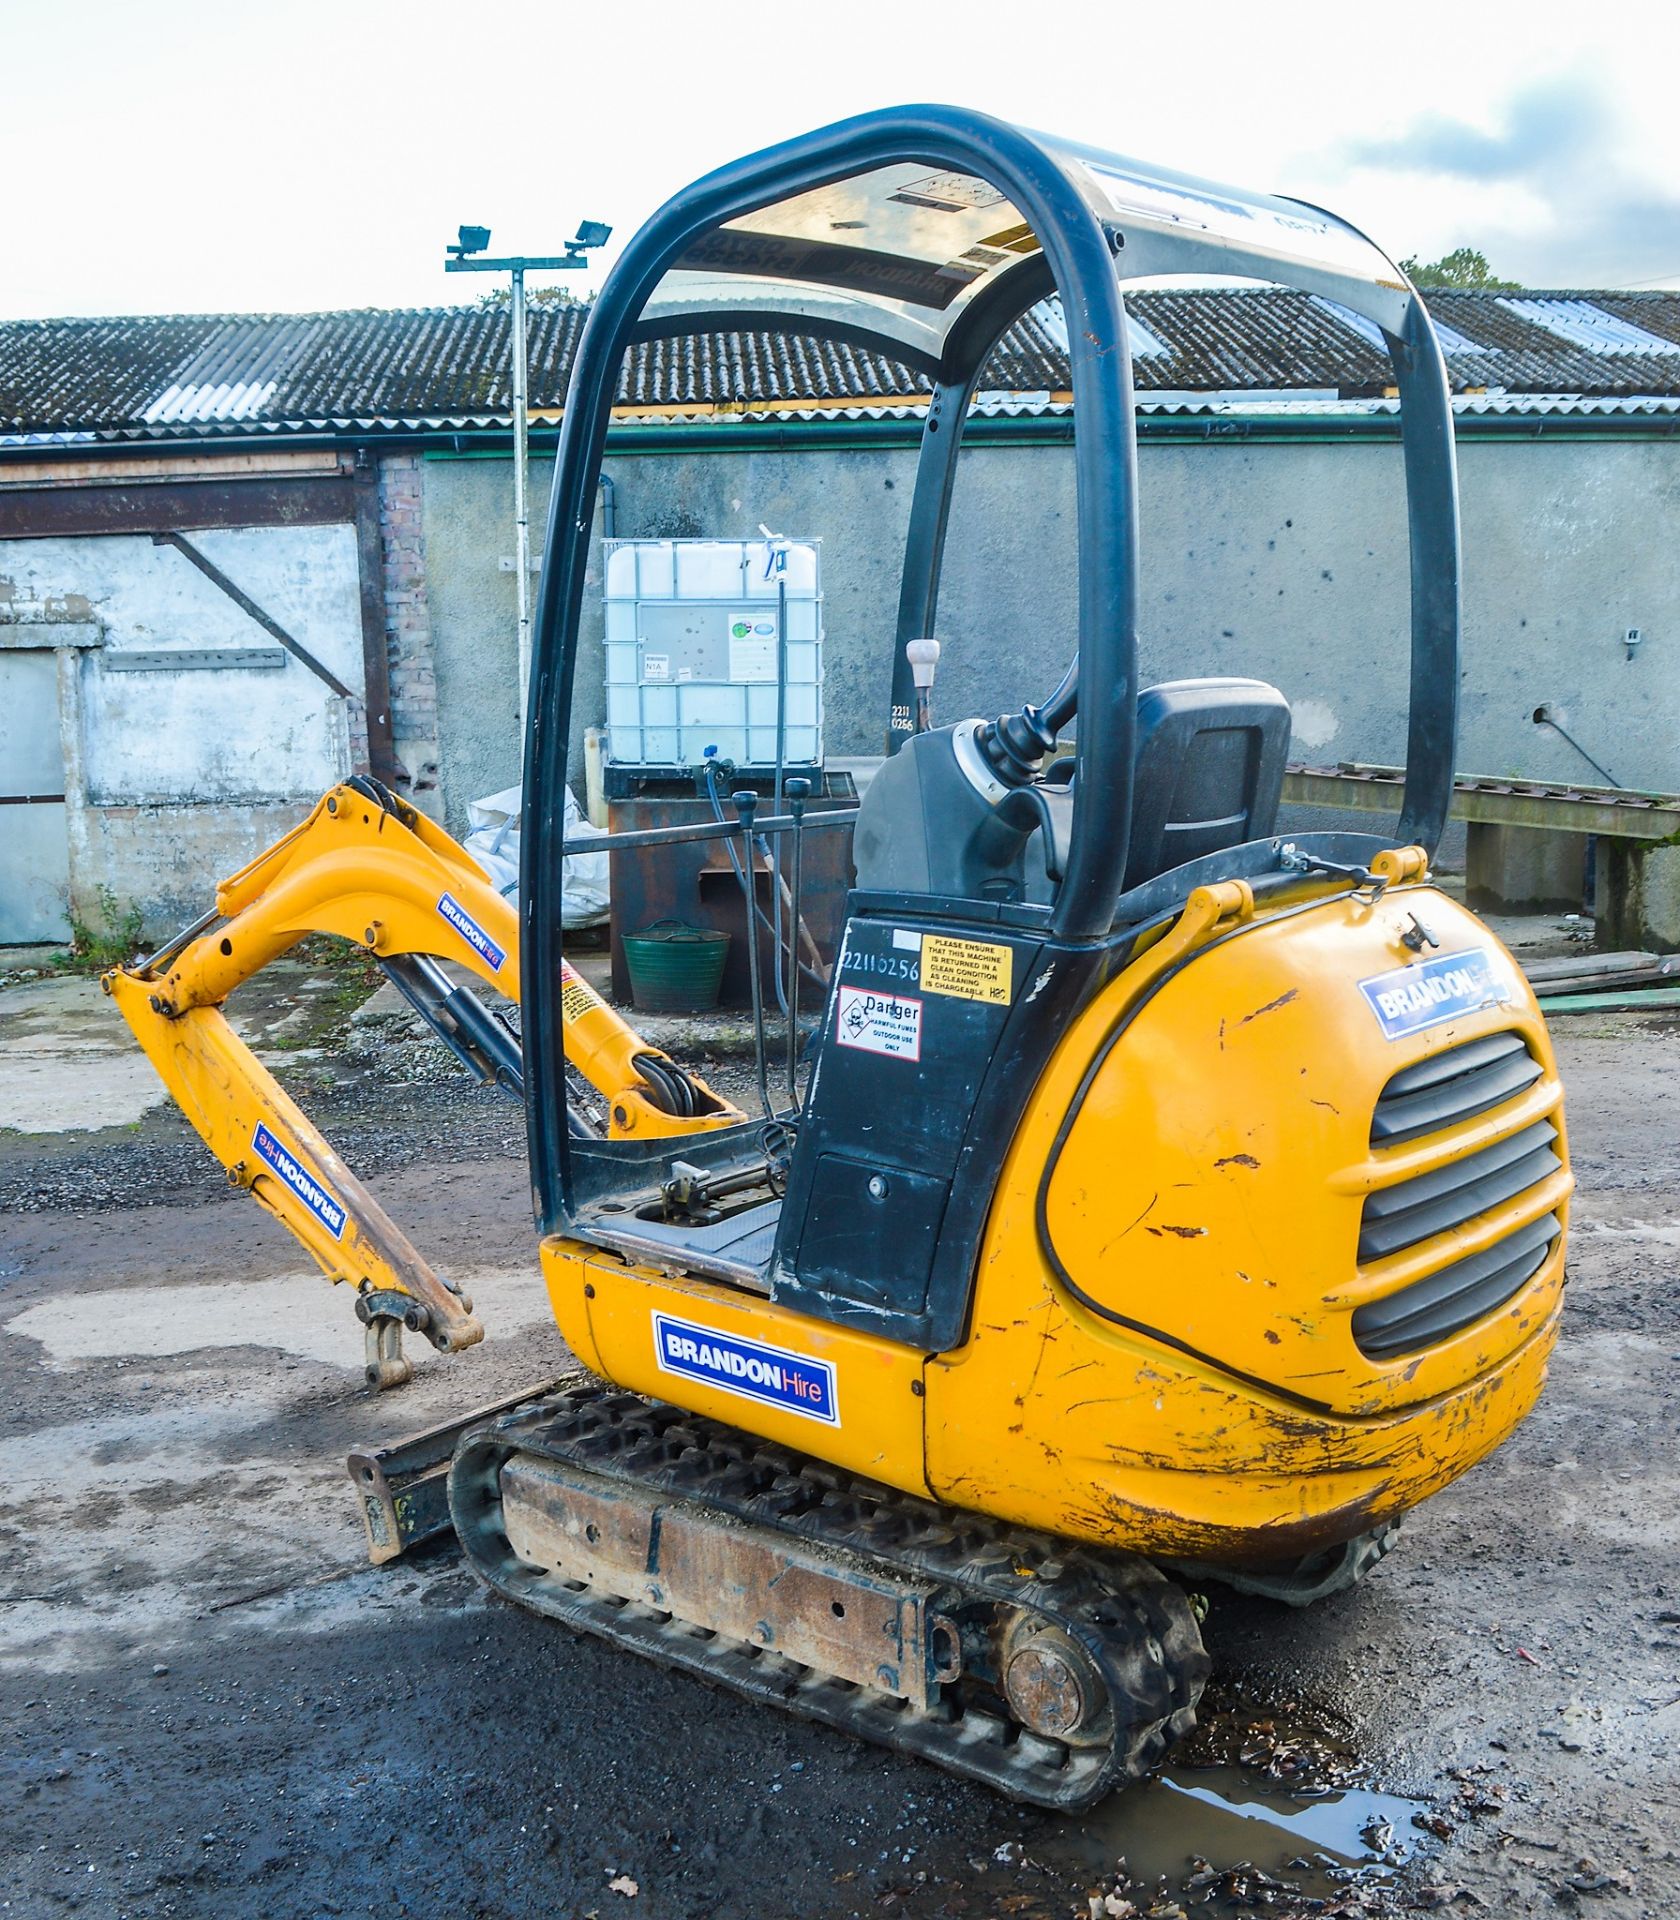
x,y
370,869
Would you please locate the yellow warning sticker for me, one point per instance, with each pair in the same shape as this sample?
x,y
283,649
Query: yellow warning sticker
x,y
966,969
577,997
1018,239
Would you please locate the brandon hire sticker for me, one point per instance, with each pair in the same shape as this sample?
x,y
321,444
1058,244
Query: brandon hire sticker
x,y
468,928
1410,999
296,1176
747,1367
886,1023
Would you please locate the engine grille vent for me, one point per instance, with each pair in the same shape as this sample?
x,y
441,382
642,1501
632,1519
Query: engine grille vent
x,y
1425,1098
1444,1303
1417,1209
1453,1086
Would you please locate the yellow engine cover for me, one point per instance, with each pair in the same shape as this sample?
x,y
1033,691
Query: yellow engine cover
x,y
1163,1350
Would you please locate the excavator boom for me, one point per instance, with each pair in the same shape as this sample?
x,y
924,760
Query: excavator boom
x,y
373,871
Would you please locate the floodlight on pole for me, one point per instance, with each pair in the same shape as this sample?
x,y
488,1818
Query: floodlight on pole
x,y
467,255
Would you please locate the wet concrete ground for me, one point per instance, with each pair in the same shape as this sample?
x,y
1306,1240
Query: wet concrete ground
x,y
209,1704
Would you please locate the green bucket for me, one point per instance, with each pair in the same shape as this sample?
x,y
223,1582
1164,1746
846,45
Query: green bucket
x,y
675,968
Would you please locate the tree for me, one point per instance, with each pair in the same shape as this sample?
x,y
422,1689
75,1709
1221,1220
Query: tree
x,y
1463,267
534,297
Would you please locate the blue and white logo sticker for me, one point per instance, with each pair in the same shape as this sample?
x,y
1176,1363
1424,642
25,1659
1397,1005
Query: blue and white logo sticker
x,y
470,931
781,1379
301,1181
1443,987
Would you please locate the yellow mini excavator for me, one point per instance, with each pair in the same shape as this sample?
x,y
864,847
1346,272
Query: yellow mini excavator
x,y
1167,1198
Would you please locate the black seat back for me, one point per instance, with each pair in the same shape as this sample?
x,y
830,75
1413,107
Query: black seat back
x,y
1210,759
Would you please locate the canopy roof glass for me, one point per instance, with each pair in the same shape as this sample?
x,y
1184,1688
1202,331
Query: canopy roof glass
x,y
902,251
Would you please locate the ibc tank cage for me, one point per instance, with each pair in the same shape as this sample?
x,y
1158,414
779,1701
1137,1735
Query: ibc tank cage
x,y
713,652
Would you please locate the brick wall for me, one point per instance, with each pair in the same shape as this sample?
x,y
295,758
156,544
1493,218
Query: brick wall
x,y
408,627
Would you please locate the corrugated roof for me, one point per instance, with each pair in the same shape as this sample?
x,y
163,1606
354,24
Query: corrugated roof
x,y
170,376
1253,406
1584,324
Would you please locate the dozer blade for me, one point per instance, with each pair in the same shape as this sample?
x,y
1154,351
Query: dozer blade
x,y
1050,1673
403,1489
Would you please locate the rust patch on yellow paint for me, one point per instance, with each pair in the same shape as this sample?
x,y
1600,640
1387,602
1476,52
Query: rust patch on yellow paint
x,y
1271,1006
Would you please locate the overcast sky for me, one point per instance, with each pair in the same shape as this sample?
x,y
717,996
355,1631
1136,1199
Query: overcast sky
x,y
182,156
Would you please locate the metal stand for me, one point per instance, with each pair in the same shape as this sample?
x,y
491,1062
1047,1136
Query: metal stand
x,y
798,792
746,805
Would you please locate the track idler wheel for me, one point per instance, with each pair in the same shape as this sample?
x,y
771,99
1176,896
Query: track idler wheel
x,y
1053,1686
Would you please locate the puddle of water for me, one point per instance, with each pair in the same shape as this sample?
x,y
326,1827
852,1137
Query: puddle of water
x,y
294,1313
1192,1826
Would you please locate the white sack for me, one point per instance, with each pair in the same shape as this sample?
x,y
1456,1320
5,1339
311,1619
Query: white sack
x,y
493,841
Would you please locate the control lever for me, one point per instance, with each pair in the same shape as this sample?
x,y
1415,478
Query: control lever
x,y
923,656
691,1193
798,792
746,806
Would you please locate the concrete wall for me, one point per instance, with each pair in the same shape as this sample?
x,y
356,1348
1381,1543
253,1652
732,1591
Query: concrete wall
x,y
1567,545
1284,561
467,520
175,777
408,626
469,528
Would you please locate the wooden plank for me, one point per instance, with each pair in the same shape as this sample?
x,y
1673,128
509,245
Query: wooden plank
x,y
1534,804
1634,1000
69,512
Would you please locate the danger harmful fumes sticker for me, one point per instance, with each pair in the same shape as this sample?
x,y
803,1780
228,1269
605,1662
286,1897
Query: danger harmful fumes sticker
x,y
889,1024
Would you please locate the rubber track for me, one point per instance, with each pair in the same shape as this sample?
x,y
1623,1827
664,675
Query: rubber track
x,y
1136,1625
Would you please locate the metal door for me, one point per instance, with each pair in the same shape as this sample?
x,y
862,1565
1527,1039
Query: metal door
x,y
34,839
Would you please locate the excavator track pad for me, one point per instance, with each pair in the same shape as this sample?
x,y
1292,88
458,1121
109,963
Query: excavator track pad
x,y
1051,1673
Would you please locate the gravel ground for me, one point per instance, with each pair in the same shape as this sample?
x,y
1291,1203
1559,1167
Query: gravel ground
x,y
210,1705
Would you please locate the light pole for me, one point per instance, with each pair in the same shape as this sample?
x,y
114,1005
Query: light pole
x,y
464,257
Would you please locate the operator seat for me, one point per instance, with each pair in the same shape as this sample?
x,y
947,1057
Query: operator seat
x,y
1209,770
1208,774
